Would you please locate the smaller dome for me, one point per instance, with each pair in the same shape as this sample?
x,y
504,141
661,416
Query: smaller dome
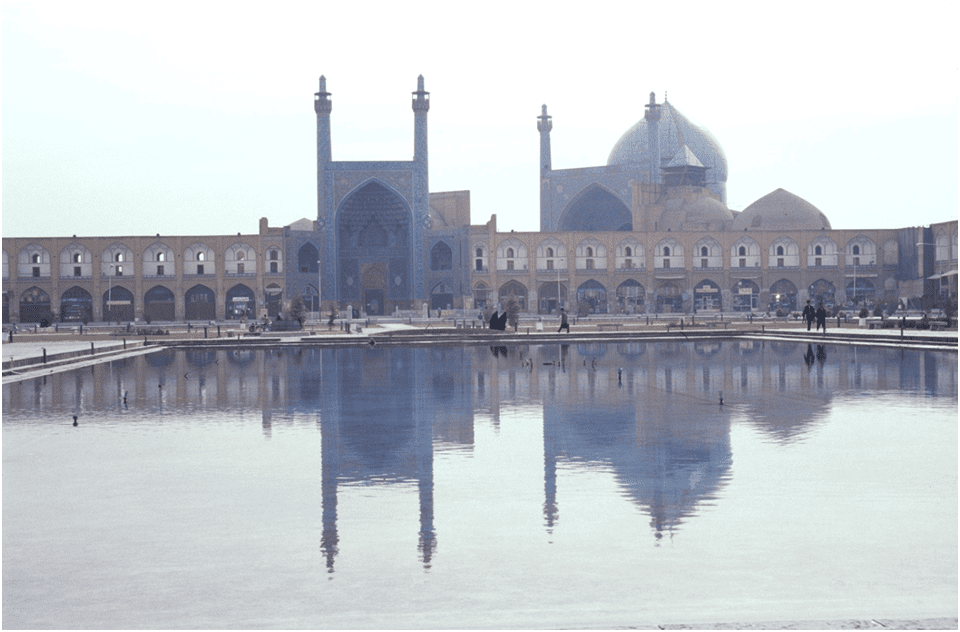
x,y
683,214
781,211
707,209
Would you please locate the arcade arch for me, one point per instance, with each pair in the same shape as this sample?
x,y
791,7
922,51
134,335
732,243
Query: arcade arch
x,y
158,304
591,298
708,254
630,297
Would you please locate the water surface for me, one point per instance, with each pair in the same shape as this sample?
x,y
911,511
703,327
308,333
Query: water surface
x,y
459,487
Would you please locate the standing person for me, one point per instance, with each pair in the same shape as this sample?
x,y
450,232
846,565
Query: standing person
x,y
809,314
564,324
821,318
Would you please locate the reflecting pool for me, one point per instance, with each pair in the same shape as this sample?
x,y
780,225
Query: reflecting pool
x,y
495,487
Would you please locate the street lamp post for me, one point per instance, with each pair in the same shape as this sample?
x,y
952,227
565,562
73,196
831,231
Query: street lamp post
x,y
855,298
559,307
319,281
110,291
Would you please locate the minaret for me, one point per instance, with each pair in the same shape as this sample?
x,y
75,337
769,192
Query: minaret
x,y
652,115
544,125
421,183
323,105
421,105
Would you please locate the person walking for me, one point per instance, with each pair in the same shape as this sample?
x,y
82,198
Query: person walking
x,y
564,324
821,318
809,313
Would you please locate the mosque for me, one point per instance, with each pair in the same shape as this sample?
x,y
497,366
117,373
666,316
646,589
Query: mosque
x,y
649,232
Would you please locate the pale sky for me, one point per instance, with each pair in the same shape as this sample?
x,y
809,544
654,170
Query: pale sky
x,y
134,118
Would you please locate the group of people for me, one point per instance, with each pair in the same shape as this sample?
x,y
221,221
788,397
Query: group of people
x,y
819,314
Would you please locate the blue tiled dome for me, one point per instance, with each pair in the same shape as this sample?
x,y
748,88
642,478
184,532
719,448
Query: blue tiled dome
x,y
675,131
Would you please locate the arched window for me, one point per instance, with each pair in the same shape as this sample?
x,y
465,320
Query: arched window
x,y
549,252
704,251
779,251
743,251
856,249
510,254
77,257
589,251
479,252
240,255
666,251
628,251
308,257
818,250
201,256
36,258
161,256
441,257
118,256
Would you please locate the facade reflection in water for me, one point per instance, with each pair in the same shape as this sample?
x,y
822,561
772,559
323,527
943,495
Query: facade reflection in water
x,y
648,413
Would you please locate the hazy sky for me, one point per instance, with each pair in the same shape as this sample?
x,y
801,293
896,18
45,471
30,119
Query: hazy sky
x,y
136,118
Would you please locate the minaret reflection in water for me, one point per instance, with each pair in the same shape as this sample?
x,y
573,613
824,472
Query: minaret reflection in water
x,y
374,432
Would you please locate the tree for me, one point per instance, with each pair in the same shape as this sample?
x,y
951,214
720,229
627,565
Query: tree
x,y
513,311
298,310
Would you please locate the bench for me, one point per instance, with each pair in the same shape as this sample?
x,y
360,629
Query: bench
x,y
718,323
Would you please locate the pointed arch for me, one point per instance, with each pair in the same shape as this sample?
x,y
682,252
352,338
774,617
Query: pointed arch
x,y
158,304
595,209
35,306
783,253
514,289
33,261
861,251
745,253
631,297
441,256
591,255
158,260
630,255
551,254
241,302
76,305
668,254
511,255
200,303
76,261
707,254
783,296
591,298
118,304
308,259
707,296
822,252
481,295
240,259
374,226
199,259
